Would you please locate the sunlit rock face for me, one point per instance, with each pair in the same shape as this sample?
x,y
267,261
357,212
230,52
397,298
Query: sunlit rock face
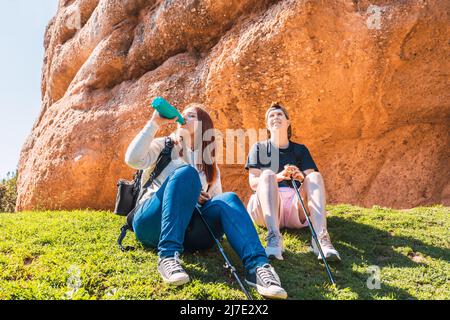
x,y
366,85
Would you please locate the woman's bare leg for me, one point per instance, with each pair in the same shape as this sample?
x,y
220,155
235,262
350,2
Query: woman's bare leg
x,y
267,193
269,198
314,189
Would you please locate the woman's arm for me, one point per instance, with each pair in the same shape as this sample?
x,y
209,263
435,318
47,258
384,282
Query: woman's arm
x,y
144,150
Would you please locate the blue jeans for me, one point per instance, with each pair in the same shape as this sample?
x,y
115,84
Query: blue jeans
x,y
162,221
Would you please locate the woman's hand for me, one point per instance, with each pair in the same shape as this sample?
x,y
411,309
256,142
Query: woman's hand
x,y
181,136
203,197
283,175
159,120
181,143
294,172
176,138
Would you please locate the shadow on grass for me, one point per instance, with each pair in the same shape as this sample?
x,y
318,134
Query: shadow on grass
x,y
360,246
208,267
303,277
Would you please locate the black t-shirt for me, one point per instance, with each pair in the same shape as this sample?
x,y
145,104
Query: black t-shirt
x,y
264,155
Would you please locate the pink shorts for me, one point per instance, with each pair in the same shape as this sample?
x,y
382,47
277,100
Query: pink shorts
x,y
288,213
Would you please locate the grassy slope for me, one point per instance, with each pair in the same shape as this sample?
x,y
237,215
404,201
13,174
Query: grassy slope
x,y
44,255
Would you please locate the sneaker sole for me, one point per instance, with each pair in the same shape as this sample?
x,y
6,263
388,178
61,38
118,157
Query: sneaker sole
x,y
272,256
332,258
262,291
176,282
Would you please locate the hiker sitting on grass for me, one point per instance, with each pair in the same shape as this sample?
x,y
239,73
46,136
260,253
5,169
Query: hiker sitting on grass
x,y
274,205
163,215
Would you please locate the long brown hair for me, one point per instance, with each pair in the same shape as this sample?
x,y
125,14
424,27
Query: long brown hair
x,y
210,167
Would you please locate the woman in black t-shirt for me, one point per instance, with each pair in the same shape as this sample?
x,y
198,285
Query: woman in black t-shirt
x,y
274,204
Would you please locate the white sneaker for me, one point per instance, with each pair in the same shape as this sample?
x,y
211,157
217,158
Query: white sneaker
x,y
275,246
267,282
171,270
328,250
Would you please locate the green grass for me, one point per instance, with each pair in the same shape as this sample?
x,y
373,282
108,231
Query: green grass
x,y
73,255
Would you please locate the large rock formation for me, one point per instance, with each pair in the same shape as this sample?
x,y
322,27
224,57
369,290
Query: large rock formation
x,y
366,84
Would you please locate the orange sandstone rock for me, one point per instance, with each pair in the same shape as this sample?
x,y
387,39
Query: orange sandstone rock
x,y
366,85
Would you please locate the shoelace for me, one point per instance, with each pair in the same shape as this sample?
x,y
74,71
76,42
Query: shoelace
x,y
172,265
273,240
266,275
325,241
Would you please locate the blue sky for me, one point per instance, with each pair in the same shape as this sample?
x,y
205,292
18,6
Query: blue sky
x,y
22,27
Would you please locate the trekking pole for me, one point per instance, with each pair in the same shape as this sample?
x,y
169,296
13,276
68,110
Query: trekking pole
x,y
313,232
228,264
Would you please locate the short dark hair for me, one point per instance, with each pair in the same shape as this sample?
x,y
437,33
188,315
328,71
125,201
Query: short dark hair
x,y
278,106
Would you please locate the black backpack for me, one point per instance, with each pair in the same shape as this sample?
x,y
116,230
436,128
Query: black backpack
x,y
130,192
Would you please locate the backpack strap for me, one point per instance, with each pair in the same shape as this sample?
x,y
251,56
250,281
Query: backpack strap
x,y
123,233
163,160
123,230
296,155
268,147
297,159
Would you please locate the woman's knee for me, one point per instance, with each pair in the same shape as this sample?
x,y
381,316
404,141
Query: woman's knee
x,y
218,206
314,181
268,176
221,205
231,200
230,197
314,176
187,173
